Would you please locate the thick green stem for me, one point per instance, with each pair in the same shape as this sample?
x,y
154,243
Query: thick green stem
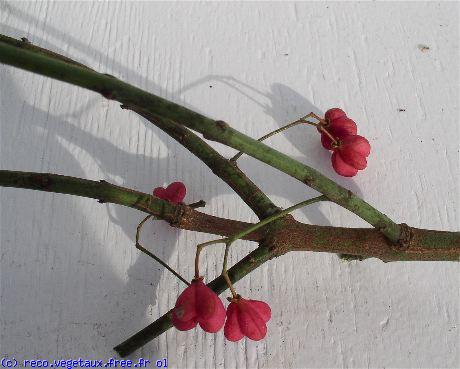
x,y
228,241
178,215
292,236
99,190
222,133
425,245
219,131
223,168
228,172
25,44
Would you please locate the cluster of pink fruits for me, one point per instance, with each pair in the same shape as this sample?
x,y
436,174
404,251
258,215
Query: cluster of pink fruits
x,y
349,150
198,304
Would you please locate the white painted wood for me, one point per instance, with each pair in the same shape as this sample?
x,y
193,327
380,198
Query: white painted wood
x,y
72,284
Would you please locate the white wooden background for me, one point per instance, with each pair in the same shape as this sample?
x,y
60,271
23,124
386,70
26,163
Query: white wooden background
x,y
72,284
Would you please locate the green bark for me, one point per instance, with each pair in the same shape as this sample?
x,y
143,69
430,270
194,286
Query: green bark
x,y
223,168
112,88
99,190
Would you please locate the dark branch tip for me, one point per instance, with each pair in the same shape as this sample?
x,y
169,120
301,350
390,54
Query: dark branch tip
x,y
198,204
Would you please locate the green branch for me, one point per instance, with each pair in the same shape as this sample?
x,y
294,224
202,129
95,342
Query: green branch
x,y
219,131
226,170
25,44
177,215
99,190
288,235
282,236
223,168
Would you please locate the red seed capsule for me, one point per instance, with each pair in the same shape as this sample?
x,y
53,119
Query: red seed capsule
x,y
174,193
246,318
198,304
350,155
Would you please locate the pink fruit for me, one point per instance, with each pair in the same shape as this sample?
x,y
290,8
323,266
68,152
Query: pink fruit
x,y
339,128
333,114
198,304
246,318
350,155
174,193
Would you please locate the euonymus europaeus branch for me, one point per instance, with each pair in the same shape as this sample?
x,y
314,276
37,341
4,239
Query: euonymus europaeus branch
x,y
425,244
114,89
285,236
388,241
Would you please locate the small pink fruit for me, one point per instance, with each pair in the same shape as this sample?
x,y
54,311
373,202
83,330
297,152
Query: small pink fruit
x,y
198,304
246,318
350,155
339,128
341,167
174,193
333,114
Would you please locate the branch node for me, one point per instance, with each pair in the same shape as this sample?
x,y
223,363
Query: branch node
x,y
222,125
215,136
179,212
405,238
308,180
